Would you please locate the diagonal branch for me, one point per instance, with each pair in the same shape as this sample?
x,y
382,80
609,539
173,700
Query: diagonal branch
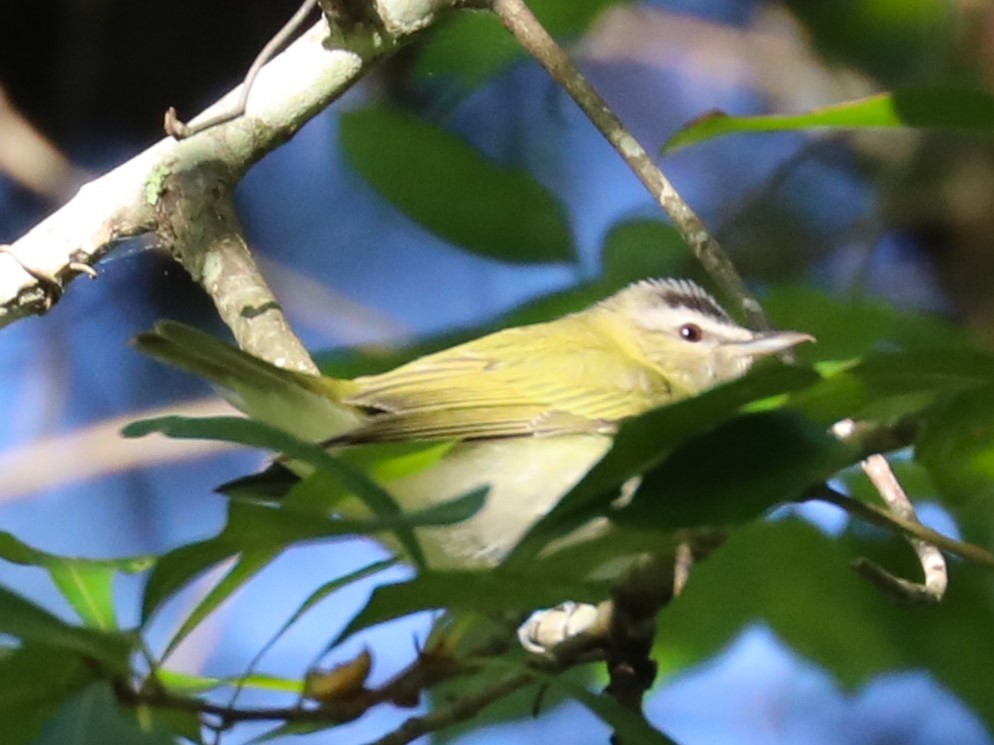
x,y
293,87
520,21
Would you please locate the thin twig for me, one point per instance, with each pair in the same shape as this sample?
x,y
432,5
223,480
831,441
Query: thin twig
x,y
933,564
174,127
463,709
885,519
520,21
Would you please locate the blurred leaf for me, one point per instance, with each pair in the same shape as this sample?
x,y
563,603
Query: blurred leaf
x,y
250,562
29,623
174,570
257,434
466,49
940,108
87,584
890,385
260,529
645,441
488,591
796,580
34,680
636,249
891,40
849,327
736,472
92,717
446,186
957,447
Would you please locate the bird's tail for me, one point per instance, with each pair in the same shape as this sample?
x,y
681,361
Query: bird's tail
x,y
308,406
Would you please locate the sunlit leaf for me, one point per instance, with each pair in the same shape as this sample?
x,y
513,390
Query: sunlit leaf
x,y
188,684
257,434
965,110
261,529
445,185
87,584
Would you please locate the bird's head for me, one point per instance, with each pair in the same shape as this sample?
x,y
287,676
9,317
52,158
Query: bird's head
x,y
683,332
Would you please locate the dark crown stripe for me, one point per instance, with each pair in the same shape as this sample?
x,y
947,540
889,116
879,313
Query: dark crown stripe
x,y
682,293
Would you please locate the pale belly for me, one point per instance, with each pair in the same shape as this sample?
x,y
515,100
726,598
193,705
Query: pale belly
x,y
527,476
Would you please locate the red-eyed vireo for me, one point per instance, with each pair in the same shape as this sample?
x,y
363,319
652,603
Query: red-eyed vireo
x,y
532,408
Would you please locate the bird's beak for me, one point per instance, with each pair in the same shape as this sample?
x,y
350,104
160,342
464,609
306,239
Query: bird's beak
x,y
765,343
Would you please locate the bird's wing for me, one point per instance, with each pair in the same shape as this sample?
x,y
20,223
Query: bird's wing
x,y
508,384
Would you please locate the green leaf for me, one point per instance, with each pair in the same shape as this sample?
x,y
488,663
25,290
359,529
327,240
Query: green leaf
x,y
34,680
324,591
886,386
636,249
257,434
488,591
957,448
188,684
92,717
87,584
249,564
466,49
446,186
645,441
849,327
31,624
258,528
796,580
940,108
176,569
763,460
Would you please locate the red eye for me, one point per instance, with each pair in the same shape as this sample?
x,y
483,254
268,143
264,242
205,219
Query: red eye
x,y
691,332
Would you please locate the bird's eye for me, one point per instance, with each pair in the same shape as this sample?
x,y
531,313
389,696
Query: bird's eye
x,y
691,332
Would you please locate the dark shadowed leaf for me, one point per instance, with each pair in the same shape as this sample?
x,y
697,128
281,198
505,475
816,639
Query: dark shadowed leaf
x,y
443,184
736,472
93,717
31,624
34,681
644,442
797,581
468,48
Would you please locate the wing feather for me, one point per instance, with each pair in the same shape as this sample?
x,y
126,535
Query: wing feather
x,y
507,384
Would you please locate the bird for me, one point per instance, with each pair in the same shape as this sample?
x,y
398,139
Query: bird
x,y
530,409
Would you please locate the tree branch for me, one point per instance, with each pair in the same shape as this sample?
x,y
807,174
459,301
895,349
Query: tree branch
x,y
520,21
197,220
294,86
